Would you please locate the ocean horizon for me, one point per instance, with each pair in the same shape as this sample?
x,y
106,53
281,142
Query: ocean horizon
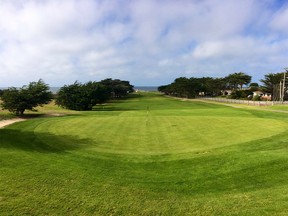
x,y
140,88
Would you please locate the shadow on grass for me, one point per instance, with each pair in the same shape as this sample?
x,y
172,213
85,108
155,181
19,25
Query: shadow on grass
x,y
123,104
40,142
202,176
119,104
128,97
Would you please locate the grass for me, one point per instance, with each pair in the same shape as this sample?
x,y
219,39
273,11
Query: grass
x,y
4,114
45,110
283,107
148,155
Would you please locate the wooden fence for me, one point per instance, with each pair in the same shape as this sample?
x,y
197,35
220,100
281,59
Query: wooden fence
x,y
246,102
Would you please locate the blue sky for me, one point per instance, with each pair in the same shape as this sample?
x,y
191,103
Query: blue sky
x,y
148,42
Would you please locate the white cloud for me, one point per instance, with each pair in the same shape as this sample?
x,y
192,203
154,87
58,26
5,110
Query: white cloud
x,y
149,42
279,20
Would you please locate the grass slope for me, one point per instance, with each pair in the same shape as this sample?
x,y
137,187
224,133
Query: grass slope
x,y
148,155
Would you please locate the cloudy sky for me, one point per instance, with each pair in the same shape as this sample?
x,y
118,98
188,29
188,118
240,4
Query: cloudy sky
x,y
148,42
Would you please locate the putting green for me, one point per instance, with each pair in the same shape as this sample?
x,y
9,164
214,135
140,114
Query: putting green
x,y
157,135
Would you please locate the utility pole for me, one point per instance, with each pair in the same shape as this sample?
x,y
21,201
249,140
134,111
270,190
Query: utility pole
x,y
280,91
283,89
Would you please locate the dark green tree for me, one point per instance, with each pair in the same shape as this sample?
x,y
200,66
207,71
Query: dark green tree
x,y
117,88
182,87
26,98
271,84
236,80
167,89
271,80
254,84
211,86
68,96
254,87
82,96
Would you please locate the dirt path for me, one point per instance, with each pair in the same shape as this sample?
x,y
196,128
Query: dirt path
x,y
4,123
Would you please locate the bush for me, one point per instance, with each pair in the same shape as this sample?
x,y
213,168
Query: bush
x,y
257,98
240,94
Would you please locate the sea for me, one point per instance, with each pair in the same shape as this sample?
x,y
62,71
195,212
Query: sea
x,y
139,88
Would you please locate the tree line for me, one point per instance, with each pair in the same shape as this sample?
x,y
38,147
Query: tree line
x,y
209,86
76,96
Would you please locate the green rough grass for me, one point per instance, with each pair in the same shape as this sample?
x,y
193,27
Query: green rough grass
x,y
148,155
4,114
283,107
48,110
